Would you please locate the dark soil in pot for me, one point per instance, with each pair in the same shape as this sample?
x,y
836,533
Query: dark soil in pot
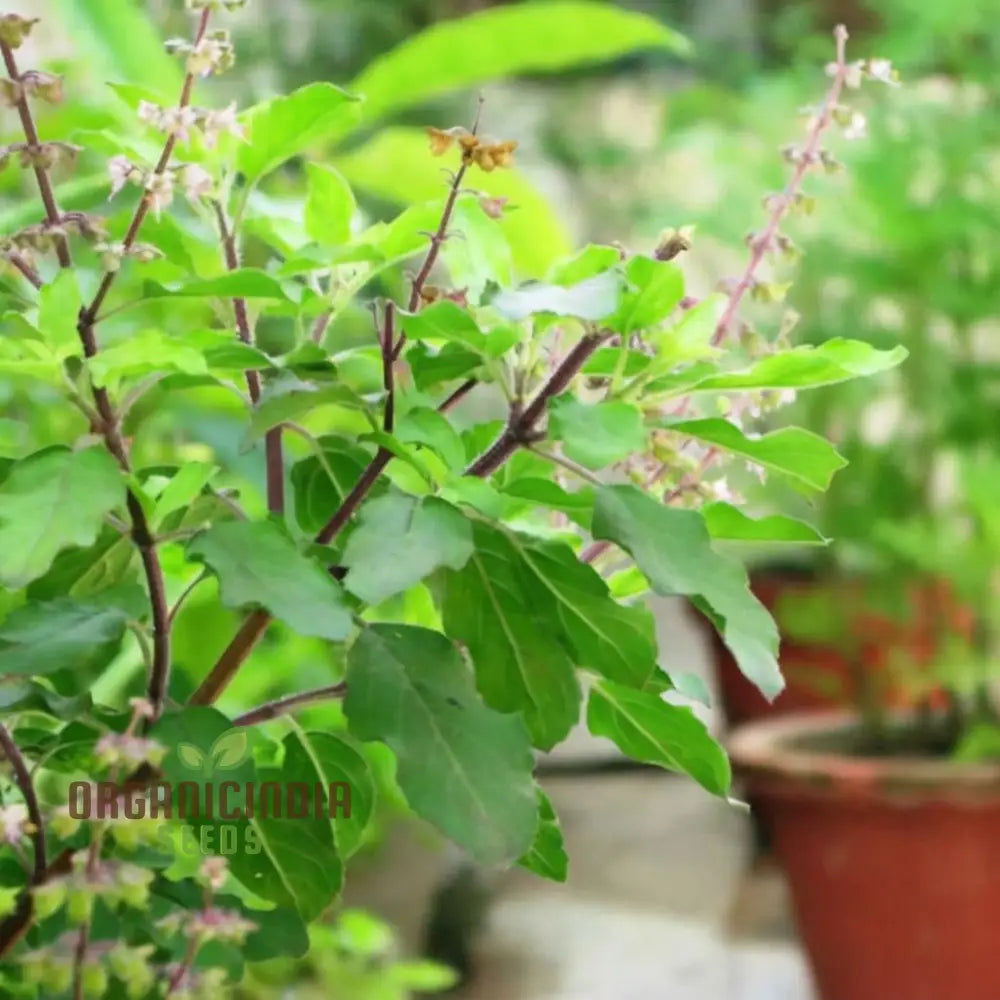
x,y
893,861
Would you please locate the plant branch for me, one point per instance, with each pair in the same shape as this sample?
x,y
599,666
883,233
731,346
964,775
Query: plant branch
x,y
808,158
282,706
22,778
521,427
26,270
88,317
458,395
52,213
272,439
387,340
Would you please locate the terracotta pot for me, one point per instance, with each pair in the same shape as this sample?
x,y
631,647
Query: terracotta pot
x,y
893,863
818,677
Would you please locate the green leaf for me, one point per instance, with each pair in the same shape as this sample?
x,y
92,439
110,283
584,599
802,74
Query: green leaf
x,y
673,549
480,255
59,304
399,540
461,766
729,523
337,761
450,363
63,634
425,426
422,976
799,368
51,501
654,290
520,664
547,856
530,225
592,260
321,483
592,299
596,434
649,729
287,398
799,454
541,37
287,126
188,482
246,283
330,205
258,565
444,322
143,353
288,860
577,505
611,639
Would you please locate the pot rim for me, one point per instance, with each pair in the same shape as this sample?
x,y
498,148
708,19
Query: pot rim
x,y
763,752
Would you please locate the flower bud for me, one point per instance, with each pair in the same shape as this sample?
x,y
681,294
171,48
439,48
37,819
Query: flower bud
x,y
14,29
94,980
79,903
131,966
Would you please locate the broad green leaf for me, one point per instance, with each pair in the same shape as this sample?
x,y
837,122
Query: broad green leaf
x,y
330,205
59,304
592,260
288,398
730,524
529,225
596,434
84,572
673,549
321,482
450,363
24,696
462,766
287,126
521,666
592,299
143,353
578,505
547,856
190,479
799,454
799,368
246,283
655,287
51,501
63,634
540,37
338,762
421,535
609,638
444,322
649,729
422,976
258,565
289,860
425,426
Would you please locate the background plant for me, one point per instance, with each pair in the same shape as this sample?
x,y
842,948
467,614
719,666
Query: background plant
x,y
460,584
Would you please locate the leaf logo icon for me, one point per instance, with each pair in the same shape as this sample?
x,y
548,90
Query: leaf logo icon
x,y
227,753
229,750
190,756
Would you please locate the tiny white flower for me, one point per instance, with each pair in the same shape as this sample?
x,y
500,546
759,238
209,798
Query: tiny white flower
x,y
786,397
857,127
160,191
14,823
120,170
224,121
179,121
881,70
196,181
150,113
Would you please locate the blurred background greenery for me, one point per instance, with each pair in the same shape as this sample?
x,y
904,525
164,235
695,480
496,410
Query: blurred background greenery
x,y
899,248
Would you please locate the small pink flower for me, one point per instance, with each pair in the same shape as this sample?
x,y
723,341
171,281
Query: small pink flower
x,y
196,181
222,122
121,171
14,823
493,207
